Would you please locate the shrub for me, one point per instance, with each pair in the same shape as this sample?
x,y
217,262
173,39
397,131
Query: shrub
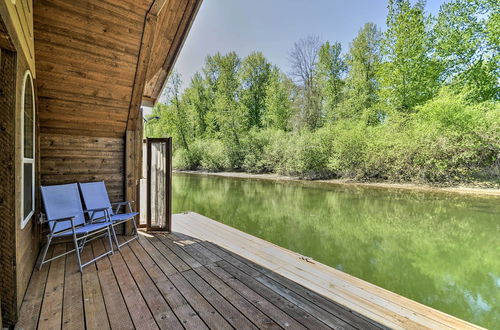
x,y
214,156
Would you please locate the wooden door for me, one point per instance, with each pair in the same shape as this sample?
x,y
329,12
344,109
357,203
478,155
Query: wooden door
x,y
159,184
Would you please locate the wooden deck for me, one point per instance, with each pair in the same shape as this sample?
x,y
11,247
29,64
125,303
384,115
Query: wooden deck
x,y
208,275
383,306
173,281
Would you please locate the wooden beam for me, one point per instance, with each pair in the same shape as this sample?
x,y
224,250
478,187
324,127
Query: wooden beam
x,y
157,6
133,167
141,71
177,44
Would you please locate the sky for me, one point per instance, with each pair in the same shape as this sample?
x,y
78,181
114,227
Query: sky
x,y
272,26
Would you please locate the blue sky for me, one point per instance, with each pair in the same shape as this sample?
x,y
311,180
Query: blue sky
x,y
272,26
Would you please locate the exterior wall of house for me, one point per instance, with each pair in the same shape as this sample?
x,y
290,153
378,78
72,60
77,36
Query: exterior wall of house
x,y
20,13
17,17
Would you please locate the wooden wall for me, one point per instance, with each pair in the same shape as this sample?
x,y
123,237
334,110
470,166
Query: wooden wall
x,y
86,57
76,158
17,17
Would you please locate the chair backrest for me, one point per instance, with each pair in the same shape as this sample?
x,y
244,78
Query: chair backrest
x,y
62,201
95,196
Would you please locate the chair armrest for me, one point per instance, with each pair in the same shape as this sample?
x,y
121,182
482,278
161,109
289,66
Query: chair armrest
x,y
122,203
92,212
60,219
43,218
99,209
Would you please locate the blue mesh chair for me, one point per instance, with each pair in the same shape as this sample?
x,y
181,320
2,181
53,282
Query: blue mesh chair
x,y
65,218
95,196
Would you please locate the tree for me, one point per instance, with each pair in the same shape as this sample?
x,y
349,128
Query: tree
x,y
330,70
408,75
278,101
303,60
363,61
254,75
180,117
197,97
228,112
467,42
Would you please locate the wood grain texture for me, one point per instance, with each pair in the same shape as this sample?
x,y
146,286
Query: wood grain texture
x,y
70,158
168,281
277,268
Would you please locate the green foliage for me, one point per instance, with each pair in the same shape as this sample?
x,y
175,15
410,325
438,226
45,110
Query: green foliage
x,y
278,101
408,76
254,75
467,42
363,61
330,72
418,103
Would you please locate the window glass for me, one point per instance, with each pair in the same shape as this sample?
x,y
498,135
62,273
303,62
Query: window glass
x,y
27,189
28,118
28,143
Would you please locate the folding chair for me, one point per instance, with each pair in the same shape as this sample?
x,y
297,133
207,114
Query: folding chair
x,y
95,196
65,218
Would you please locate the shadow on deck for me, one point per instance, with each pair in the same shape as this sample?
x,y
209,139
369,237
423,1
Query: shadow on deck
x,y
173,281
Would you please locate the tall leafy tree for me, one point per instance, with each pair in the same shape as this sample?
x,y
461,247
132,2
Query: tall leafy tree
x,y
197,97
363,60
468,43
303,61
176,113
278,101
229,114
254,74
330,71
408,76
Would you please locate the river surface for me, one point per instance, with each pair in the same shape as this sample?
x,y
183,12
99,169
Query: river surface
x,y
440,249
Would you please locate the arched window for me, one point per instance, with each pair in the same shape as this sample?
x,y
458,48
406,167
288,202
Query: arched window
x,y
28,150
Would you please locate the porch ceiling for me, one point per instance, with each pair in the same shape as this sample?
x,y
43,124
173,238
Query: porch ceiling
x,y
89,58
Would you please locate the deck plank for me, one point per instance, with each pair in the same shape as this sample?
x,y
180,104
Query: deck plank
x,y
291,309
138,309
155,254
190,261
273,312
32,302
73,314
208,275
160,309
51,314
261,320
228,311
311,297
186,315
354,294
207,313
118,314
96,316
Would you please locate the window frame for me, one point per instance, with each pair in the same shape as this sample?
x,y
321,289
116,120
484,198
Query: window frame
x,y
25,220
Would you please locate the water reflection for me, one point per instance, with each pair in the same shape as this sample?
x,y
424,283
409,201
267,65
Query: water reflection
x,y
439,249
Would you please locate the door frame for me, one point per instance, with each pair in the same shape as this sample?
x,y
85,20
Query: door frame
x,y
168,184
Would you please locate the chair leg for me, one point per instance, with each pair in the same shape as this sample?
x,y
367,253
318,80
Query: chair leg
x,y
44,252
115,237
110,242
77,251
135,226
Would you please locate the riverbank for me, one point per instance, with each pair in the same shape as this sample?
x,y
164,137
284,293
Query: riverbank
x,y
401,186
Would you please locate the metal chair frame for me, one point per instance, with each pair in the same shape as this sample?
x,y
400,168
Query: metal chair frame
x,y
107,218
79,239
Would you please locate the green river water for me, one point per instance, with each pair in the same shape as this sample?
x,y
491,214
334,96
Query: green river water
x,y
440,249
